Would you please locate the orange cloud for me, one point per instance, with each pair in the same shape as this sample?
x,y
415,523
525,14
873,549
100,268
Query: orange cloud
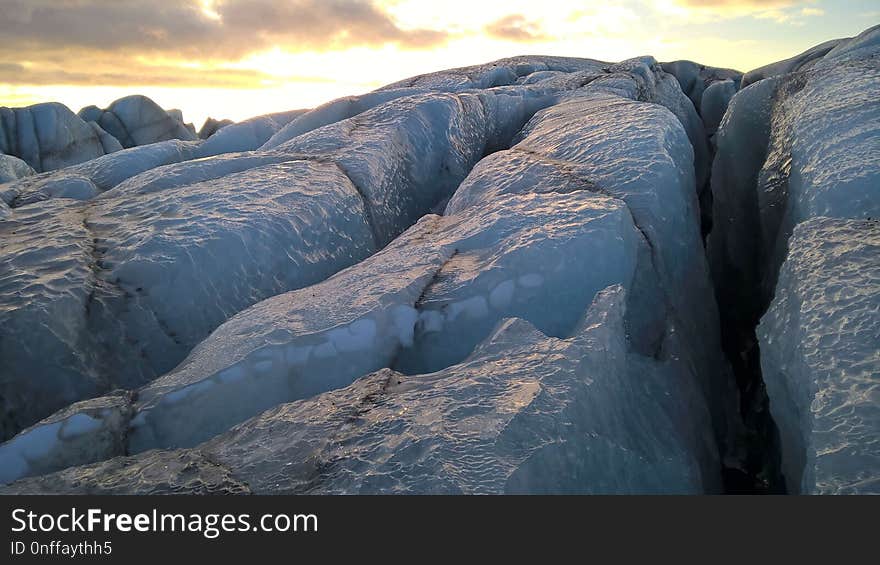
x,y
516,28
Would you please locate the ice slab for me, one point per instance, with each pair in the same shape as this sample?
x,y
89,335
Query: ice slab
x,y
48,136
639,153
247,135
86,180
85,432
322,337
695,78
137,120
117,291
46,285
12,168
820,357
523,414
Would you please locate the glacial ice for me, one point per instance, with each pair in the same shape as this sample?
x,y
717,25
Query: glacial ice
x,y
230,242
323,337
91,430
820,356
714,103
148,241
109,143
45,288
286,314
408,155
862,46
695,78
829,122
47,136
121,317
449,315
332,112
163,472
456,277
797,154
371,315
13,168
137,120
799,62
734,244
524,413
212,126
246,135
639,153
503,72
97,175
186,172
791,147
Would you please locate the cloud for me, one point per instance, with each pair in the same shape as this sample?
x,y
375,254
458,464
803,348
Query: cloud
x,y
516,27
180,43
812,12
228,29
737,4
781,11
131,72
319,23
778,16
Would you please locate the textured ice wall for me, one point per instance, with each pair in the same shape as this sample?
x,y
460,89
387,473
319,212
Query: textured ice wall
x,y
323,337
797,153
820,355
137,120
45,288
639,153
695,79
436,292
503,72
214,227
13,168
47,136
86,180
524,413
247,135
91,430
408,155
332,112
137,282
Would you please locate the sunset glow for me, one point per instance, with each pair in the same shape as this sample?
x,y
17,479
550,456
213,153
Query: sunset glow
x,y
234,58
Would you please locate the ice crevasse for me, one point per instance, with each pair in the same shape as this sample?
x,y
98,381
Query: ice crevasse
x,y
796,203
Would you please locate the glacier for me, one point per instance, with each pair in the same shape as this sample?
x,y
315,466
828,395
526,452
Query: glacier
x,y
137,120
12,168
48,136
535,275
524,413
821,377
796,171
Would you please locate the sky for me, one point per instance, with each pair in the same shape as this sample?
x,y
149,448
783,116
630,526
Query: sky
x,y
239,58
